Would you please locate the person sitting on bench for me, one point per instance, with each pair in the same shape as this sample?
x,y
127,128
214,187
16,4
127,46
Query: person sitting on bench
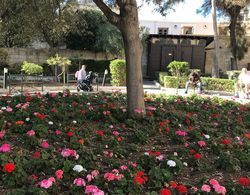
x,y
194,80
243,83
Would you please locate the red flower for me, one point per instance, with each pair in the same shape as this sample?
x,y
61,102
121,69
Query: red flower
x,y
28,99
173,184
41,116
243,181
36,154
119,139
9,167
182,189
167,129
197,156
247,135
187,121
54,110
99,132
140,178
191,151
162,124
70,134
165,192
19,122
157,153
167,121
225,141
149,113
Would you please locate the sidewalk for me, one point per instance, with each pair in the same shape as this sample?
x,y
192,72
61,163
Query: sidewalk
x,y
150,87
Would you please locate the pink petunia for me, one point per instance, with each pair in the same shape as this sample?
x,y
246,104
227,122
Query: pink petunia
x,y
5,148
220,189
181,133
9,109
206,188
110,176
46,183
89,177
94,173
213,182
123,167
79,182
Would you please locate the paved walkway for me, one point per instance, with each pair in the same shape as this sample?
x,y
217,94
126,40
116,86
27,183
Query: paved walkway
x,y
150,87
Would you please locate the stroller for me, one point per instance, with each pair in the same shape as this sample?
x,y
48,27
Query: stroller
x,y
85,85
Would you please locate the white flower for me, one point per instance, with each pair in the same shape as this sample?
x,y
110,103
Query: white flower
x,y
160,158
50,123
171,163
206,136
78,168
74,122
27,119
175,154
3,108
146,153
185,164
88,104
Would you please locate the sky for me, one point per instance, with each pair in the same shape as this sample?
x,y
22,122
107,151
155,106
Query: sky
x,y
184,12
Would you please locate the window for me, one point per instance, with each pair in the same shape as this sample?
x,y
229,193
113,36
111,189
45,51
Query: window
x,y
162,31
187,30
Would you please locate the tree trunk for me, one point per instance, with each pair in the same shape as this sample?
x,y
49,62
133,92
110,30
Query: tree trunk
x,y
233,43
128,23
215,67
133,53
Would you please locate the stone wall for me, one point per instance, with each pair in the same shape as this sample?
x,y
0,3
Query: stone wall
x,y
224,56
18,55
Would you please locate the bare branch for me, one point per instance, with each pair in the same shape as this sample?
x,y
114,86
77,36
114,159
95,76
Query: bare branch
x,y
111,16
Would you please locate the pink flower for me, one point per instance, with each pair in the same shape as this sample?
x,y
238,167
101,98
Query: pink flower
x,y
46,183
68,152
45,144
31,133
151,108
110,176
181,133
133,164
79,182
94,173
9,109
58,132
213,182
5,148
206,188
220,189
116,133
123,167
59,174
138,111
89,177
93,190
201,143
52,179
2,133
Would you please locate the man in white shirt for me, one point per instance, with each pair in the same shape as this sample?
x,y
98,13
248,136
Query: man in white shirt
x,y
81,74
243,83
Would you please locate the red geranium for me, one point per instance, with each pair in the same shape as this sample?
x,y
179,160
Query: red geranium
x,y
140,178
173,184
182,189
243,181
165,192
9,167
70,134
225,141
197,156
36,154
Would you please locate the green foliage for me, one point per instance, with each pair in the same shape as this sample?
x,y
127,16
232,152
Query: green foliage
x,y
178,68
212,83
58,60
118,72
31,68
99,36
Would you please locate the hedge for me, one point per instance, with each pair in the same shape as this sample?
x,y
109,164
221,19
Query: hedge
x,y
214,84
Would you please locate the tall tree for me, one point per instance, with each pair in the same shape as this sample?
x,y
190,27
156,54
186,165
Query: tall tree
x,y
232,9
215,67
125,18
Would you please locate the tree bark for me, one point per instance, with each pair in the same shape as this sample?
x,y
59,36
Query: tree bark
x,y
215,67
128,23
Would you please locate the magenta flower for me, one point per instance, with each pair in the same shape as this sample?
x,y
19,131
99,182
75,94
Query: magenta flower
x,y
79,182
5,148
110,176
93,190
181,133
201,143
45,144
89,177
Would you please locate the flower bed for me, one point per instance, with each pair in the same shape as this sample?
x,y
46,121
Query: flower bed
x,y
76,144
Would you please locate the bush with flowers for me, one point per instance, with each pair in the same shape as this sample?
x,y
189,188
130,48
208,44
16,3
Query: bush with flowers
x,y
85,144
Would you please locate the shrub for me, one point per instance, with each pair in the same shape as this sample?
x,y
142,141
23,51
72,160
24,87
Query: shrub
x,y
31,68
118,72
178,68
212,83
